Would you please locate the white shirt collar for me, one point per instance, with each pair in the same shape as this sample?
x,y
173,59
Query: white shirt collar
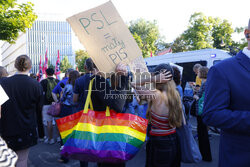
x,y
246,52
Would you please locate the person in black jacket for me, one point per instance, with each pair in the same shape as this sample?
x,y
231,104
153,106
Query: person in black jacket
x,y
19,113
103,95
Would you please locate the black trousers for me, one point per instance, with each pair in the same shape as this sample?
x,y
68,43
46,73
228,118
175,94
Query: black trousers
x,y
203,139
163,151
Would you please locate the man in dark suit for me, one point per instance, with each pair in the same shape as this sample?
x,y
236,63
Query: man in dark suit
x,y
227,106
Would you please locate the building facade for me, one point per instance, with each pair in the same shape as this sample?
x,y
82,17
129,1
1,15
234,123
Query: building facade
x,y
44,35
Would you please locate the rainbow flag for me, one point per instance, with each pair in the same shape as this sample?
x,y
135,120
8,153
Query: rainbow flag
x,y
101,136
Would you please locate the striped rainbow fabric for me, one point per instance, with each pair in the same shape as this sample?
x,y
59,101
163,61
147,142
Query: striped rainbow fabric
x,y
102,136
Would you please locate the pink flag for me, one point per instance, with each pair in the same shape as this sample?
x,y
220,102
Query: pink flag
x,y
40,74
57,67
45,65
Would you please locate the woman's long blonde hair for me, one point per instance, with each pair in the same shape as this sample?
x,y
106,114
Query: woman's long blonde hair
x,y
172,100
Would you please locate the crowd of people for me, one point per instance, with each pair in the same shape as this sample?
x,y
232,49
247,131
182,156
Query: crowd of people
x,y
164,105
223,90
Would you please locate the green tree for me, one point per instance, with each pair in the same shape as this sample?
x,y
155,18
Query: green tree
x,y
207,32
81,56
198,34
242,42
146,34
15,18
179,45
65,64
221,33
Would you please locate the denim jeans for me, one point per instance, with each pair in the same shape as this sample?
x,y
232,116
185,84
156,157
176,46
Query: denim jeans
x,y
163,151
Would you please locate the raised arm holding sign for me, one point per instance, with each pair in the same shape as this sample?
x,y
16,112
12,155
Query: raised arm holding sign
x,y
107,39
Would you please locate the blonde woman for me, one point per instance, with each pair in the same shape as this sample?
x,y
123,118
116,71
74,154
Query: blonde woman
x,y
165,113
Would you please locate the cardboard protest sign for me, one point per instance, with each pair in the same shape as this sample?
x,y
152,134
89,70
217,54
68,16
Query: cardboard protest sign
x,y
106,37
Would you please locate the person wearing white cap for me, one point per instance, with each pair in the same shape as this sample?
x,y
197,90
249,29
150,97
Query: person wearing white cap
x,y
227,106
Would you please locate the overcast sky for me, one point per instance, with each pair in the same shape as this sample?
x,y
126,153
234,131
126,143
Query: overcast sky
x,y
172,16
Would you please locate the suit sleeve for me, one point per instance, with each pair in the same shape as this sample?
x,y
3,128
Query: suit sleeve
x,y
217,110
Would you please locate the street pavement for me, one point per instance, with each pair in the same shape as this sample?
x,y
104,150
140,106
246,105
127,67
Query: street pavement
x,y
45,155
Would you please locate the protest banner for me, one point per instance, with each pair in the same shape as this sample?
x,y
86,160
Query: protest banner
x,y
107,38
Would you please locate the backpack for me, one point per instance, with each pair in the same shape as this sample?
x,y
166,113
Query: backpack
x,y
50,86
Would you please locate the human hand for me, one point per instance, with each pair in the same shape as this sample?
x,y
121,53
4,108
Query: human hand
x,y
121,69
163,77
196,97
192,84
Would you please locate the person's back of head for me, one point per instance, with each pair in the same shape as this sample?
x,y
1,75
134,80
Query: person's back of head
x,y
67,72
73,75
89,65
50,72
196,67
203,71
3,72
23,63
177,75
173,100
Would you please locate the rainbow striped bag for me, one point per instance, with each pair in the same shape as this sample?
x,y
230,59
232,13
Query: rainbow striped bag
x,y
101,136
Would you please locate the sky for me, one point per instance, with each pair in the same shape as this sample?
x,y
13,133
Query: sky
x,y
172,16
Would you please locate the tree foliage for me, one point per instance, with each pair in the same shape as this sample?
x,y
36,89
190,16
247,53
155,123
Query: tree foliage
x,y
221,33
81,56
146,34
243,41
207,32
198,35
65,64
15,18
179,45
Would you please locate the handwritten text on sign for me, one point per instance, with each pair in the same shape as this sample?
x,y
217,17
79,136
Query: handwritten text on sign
x,y
105,36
